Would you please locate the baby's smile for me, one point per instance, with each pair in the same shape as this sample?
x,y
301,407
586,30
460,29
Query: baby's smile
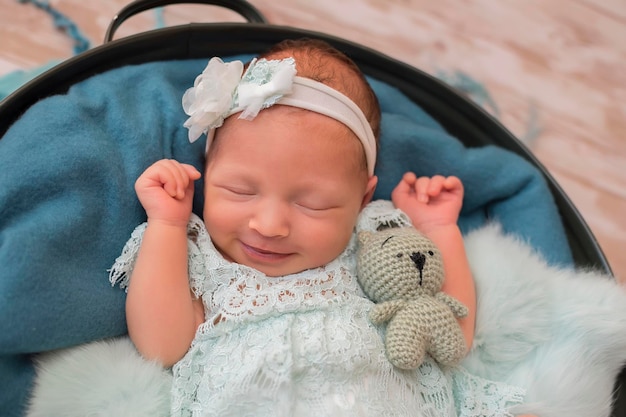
x,y
264,254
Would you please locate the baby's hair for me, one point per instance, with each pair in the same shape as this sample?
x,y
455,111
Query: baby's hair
x,y
318,60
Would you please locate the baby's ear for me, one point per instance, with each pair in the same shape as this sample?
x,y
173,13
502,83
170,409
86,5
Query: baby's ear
x,y
364,236
369,191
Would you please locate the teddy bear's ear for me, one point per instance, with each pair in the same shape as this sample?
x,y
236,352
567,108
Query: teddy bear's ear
x,y
364,236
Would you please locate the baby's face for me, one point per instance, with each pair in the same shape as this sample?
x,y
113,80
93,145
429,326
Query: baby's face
x,y
283,192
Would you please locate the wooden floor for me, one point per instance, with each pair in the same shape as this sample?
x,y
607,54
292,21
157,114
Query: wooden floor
x,y
554,68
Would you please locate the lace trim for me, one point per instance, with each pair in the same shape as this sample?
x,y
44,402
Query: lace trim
x,y
122,268
378,214
490,399
236,292
381,214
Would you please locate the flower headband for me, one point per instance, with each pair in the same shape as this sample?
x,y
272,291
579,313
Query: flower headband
x,y
221,91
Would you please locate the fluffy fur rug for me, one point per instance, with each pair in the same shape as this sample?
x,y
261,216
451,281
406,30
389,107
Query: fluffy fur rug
x,y
559,333
100,379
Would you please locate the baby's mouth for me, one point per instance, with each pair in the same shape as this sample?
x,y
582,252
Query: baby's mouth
x,y
263,253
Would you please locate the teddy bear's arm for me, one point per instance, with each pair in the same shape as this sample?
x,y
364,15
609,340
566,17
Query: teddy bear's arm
x,y
458,309
384,311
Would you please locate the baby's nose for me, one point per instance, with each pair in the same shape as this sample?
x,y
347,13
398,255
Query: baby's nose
x,y
270,221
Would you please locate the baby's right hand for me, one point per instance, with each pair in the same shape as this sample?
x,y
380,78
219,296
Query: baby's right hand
x,y
165,191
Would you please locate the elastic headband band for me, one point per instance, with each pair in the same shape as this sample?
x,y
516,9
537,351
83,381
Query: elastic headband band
x,y
220,92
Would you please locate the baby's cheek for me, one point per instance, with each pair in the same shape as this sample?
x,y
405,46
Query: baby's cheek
x,y
330,239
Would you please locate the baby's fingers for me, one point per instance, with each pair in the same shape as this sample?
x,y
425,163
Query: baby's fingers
x,y
174,179
170,175
191,171
435,185
406,185
427,187
183,175
405,189
453,184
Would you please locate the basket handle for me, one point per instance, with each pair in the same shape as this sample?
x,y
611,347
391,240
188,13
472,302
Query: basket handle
x,y
245,9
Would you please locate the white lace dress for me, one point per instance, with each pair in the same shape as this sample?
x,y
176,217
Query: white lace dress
x,y
302,345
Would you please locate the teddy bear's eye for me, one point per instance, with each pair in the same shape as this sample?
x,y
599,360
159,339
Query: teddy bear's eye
x,y
399,255
431,253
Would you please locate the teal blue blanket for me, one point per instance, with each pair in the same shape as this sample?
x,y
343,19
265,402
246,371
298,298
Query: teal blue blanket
x,y
67,203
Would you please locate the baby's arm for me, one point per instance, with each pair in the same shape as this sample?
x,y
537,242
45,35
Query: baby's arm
x,y
433,205
161,313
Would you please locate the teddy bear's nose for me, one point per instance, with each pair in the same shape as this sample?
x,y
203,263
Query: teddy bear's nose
x,y
419,259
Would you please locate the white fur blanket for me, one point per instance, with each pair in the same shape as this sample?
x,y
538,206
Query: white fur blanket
x,y
558,333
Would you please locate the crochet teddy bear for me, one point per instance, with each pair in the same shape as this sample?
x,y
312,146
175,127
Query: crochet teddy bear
x,y
401,270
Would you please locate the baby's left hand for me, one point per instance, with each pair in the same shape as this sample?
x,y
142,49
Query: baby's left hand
x,y
429,201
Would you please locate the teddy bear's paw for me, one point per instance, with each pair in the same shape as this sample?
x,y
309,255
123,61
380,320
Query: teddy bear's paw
x,y
405,354
448,350
383,312
406,363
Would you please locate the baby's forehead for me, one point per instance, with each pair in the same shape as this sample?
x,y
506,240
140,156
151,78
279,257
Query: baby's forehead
x,y
307,128
297,123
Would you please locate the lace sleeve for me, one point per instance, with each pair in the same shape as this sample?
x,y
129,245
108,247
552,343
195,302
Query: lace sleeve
x,y
123,266
122,269
197,241
381,214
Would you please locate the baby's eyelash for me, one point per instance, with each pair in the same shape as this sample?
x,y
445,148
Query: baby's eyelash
x,y
313,208
239,191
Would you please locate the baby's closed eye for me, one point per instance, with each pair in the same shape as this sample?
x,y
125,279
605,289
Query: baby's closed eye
x,y
316,204
238,191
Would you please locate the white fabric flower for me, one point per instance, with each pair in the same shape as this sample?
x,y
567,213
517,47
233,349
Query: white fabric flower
x,y
221,90
264,83
209,100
